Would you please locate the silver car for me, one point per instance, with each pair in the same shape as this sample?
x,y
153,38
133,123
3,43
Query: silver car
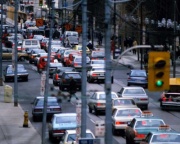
x,y
121,116
60,123
97,101
137,93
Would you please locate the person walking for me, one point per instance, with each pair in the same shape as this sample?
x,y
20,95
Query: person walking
x,y
90,46
134,44
72,89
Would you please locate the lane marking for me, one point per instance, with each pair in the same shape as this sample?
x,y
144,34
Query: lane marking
x,y
92,121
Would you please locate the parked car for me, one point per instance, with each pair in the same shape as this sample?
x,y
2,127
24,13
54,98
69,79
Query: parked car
x,y
60,123
97,102
70,136
139,127
53,107
137,77
52,68
137,93
9,74
58,74
65,80
121,116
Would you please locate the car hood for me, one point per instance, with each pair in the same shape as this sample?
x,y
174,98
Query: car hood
x,y
65,126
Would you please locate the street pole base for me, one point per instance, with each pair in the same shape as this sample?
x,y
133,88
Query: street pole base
x,y
1,81
25,125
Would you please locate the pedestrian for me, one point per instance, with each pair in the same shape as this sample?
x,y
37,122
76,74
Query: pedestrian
x,y
134,44
100,37
72,88
90,46
146,58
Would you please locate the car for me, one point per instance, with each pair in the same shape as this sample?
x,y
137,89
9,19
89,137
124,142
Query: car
x,y
77,62
9,74
137,78
59,53
64,81
36,59
73,40
97,63
139,127
52,68
38,37
137,93
97,54
53,107
121,116
34,53
30,43
53,43
97,101
123,103
164,135
79,48
97,73
58,74
60,123
170,99
70,136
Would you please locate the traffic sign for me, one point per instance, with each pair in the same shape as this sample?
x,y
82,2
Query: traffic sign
x,y
89,141
39,22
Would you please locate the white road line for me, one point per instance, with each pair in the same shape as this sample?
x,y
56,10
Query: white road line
x,y
92,121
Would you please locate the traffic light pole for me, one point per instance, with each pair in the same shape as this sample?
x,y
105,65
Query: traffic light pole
x,y
1,33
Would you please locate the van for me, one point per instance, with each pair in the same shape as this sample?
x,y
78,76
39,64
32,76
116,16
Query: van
x,y
30,43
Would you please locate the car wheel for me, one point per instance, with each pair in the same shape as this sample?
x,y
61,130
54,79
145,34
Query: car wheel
x,y
89,80
54,83
30,61
114,131
90,110
35,119
50,136
146,107
22,58
112,79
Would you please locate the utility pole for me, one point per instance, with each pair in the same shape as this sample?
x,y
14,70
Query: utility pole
x,y
108,119
51,17
84,74
15,54
114,17
141,37
1,33
174,48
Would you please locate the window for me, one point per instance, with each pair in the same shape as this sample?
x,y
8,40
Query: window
x,y
134,91
129,112
66,119
149,123
74,75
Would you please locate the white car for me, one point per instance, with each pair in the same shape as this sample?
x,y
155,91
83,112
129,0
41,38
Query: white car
x,y
97,63
97,73
121,116
60,123
70,136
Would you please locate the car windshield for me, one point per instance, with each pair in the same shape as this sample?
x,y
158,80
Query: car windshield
x,y
74,75
166,137
123,102
148,123
134,91
98,53
66,119
103,96
138,74
72,137
50,102
98,62
129,112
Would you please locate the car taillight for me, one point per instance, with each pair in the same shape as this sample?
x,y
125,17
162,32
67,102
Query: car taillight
x,y
56,109
56,77
119,123
164,99
129,78
143,99
37,110
140,136
58,131
99,104
94,74
162,95
75,64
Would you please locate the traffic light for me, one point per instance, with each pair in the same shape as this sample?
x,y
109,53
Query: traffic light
x,y
40,2
158,71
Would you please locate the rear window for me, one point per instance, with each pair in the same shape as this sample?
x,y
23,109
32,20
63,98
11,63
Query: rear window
x,y
138,73
66,119
123,102
103,96
148,123
100,53
98,62
50,102
129,112
72,137
164,137
75,76
134,91
31,42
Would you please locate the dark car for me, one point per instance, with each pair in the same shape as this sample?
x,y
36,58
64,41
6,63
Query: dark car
x,y
53,67
137,77
34,53
65,80
22,73
53,107
58,73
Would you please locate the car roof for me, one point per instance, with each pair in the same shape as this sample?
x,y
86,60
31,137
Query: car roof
x,y
42,97
124,108
147,118
65,114
131,87
138,70
71,72
103,92
122,98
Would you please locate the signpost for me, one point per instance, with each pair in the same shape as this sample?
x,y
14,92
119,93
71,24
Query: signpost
x,y
43,79
78,120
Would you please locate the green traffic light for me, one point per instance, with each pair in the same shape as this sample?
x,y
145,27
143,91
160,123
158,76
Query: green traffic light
x,y
159,83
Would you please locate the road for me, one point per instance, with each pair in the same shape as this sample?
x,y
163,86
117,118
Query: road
x,y
29,90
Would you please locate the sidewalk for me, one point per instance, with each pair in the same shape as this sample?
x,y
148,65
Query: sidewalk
x,y
11,125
